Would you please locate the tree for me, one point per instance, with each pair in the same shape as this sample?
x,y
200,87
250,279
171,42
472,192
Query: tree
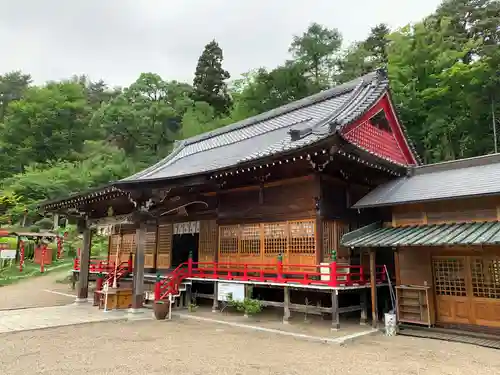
x,y
12,86
265,90
209,81
316,48
98,163
144,120
47,123
365,56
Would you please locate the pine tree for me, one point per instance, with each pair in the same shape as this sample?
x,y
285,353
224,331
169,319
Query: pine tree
x,y
209,80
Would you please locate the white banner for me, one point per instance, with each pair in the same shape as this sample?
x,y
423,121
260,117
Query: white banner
x,y
237,290
7,254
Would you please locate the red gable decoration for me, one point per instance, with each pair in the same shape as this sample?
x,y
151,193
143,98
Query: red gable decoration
x,y
379,132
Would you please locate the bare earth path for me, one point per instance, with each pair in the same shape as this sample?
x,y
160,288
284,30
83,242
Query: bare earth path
x,y
191,347
32,292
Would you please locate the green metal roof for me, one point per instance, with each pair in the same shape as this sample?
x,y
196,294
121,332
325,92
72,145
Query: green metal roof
x,y
482,233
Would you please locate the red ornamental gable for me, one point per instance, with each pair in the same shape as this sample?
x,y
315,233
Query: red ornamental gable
x,y
389,143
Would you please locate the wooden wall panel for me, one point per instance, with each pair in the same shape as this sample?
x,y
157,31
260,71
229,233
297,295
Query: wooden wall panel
x,y
332,234
415,266
124,244
150,251
208,241
448,211
277,202
164,246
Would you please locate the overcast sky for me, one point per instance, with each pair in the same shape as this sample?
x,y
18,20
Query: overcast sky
x,y
116,40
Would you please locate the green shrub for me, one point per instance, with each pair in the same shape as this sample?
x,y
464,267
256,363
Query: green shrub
x,y
248,306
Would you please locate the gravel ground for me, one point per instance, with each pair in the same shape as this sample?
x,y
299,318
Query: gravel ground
x,y
191,347
30,292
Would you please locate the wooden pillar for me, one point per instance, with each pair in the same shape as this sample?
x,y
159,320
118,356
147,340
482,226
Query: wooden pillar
x,y
215,306
83,279
138,268
335,310
318,220
396,267
373,286
286,305
364,306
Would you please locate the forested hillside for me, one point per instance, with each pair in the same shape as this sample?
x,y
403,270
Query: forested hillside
x,y
66,136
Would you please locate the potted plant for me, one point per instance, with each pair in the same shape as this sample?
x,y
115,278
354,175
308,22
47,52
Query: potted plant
x,y
160,309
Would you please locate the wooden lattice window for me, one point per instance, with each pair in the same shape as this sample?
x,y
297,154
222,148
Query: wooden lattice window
x,y
449,276
208,239
228,239
114,244
302,237
275,238
150,242
128,243
485,277
329,239
249,239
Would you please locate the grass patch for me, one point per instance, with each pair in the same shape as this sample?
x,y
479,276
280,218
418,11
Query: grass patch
x,y
11,274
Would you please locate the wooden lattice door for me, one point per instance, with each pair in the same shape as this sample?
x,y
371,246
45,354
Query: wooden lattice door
x,y
467,290
207,244
451,288
164,246
485,290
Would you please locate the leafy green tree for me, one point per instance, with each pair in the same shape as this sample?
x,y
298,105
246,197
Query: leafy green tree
x,y
99,163
209,84
12,86
365,56
47,123
316,49
264,90
145,119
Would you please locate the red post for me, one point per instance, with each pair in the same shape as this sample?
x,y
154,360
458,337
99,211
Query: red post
x,y
99,282
21,256
158,288
245,272
75,264
42,261
333,273
59,247
279,269
361,275
190,264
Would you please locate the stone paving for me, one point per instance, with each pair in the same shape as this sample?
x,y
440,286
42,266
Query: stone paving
x,y
55,316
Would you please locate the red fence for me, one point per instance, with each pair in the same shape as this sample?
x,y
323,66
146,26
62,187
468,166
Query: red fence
x,y
96,265
331,275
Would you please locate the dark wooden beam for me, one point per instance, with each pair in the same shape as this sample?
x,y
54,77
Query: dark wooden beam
x,y
83,281
138,267
373,286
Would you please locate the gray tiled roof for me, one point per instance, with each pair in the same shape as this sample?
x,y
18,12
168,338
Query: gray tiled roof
x,y
455,179
268,133
479,233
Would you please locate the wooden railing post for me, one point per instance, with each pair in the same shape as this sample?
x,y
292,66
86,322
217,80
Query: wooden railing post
x,y
333,270
279,268
190,264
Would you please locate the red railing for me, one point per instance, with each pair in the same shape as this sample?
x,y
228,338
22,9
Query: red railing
x,y
95,265
299,274
123,269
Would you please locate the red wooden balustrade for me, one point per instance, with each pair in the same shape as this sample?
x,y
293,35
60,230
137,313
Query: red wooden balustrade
x,y
95,265
298,274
